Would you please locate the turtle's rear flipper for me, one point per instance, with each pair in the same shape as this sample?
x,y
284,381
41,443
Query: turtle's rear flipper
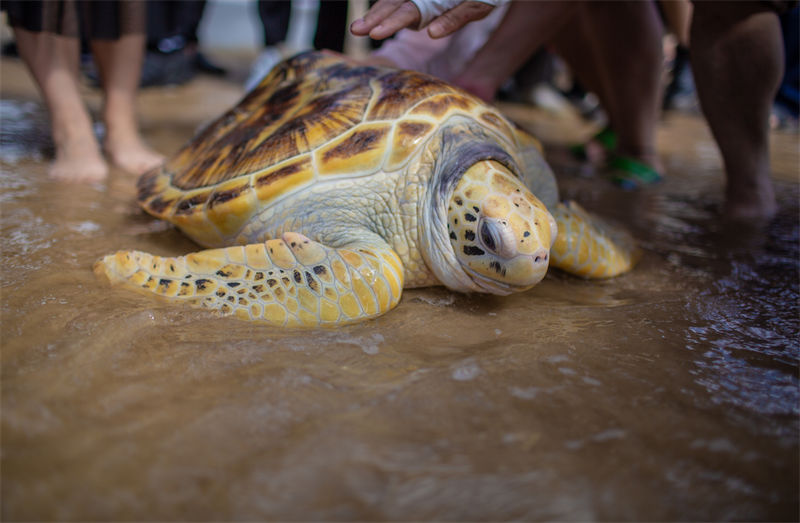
x,y
291,281
587,247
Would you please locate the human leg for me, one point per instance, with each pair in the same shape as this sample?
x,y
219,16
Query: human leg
x,y
623,57
575,48
614,49
120,62
525,27
737,60
53,61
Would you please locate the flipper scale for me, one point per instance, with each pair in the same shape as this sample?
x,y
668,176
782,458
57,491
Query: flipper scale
x,y
588,247
291,281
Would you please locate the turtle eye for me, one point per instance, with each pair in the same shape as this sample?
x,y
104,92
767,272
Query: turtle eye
x,y
489,237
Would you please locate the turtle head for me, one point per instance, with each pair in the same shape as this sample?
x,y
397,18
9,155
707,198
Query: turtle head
x,y
500,231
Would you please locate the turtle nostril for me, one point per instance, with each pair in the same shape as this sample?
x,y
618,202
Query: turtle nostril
x,y
540,256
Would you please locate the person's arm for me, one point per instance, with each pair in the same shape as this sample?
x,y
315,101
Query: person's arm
x,y
441,17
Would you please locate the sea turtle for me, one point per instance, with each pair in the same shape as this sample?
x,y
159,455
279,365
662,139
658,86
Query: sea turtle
x,y
333,185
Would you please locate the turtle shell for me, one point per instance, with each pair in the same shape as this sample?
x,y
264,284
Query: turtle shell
x,y
315,117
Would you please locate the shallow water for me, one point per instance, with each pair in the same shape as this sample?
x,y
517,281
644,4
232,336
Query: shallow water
x,y
668,393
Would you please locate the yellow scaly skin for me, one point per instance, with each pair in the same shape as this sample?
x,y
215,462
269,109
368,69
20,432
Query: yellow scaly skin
x,y
292,281
587,247
501,233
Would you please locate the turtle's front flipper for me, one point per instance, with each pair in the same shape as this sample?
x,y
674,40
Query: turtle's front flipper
x,y
289,281
587,247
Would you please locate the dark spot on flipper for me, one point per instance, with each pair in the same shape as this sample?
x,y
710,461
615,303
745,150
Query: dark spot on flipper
x,y
231,299
471,250
220,292
477,209
259,288
526,233
258,276
453,236
297,276
272,282
320,269
469,217
223,274
233,284
201,283
469,235
459,201
312,283
165,282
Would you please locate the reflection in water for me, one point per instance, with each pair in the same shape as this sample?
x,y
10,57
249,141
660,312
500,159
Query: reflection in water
x,y
668,393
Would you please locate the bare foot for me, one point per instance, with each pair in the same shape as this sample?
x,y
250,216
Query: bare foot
x,y
132,155
754,204
78,162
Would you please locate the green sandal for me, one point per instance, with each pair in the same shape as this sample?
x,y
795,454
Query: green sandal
x,y
607,138
630,174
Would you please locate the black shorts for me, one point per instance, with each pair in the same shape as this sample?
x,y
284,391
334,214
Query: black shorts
x,y
93,19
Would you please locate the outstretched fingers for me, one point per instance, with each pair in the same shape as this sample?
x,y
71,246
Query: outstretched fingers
x,y
451,21
385,18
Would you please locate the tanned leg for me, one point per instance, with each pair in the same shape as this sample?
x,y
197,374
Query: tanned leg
x,y
120,64
622,56
737,60
53,61
525,27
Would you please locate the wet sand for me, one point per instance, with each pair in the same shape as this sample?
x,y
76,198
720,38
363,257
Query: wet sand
x,y
668,393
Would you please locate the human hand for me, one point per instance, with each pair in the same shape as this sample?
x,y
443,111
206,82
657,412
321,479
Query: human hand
x,y
442,17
